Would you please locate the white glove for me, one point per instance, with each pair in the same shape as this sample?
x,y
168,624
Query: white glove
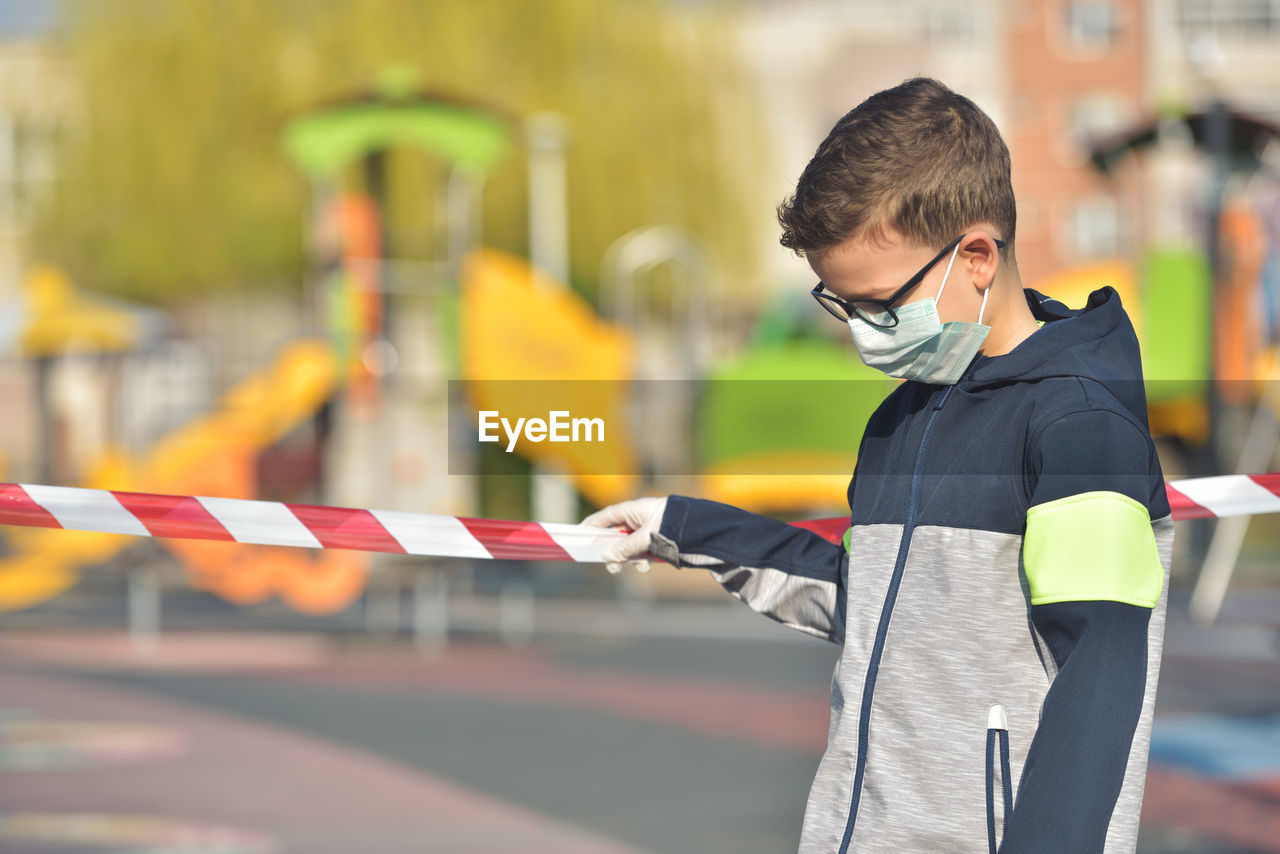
x,y
641,517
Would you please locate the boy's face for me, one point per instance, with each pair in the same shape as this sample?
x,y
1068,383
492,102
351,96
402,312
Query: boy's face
x,y
858,269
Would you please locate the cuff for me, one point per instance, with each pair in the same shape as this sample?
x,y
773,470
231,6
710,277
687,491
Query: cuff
x,y
665,542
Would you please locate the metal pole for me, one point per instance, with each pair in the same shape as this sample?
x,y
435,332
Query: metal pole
x,y
45,422
1217,134
430,609
1228,534
554,498
144,609
635,255
546,135
516,612
382,601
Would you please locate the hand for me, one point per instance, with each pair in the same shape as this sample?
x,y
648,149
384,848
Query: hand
x,y
641,517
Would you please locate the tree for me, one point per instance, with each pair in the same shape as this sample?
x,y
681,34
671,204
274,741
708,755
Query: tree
x,y
174,184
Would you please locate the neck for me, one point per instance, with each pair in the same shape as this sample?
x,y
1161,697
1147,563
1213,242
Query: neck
x,y
1009,316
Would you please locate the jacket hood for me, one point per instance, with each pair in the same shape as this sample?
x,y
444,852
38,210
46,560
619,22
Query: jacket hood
x,y
1096,341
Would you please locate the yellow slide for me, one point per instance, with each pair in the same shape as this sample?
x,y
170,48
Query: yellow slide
x,y
531,346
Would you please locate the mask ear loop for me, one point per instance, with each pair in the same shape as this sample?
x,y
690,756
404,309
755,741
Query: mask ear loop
x,y
947,274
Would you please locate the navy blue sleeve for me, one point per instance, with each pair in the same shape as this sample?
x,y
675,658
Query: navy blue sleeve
x,y
1091,451
736,536
1091,567
786,573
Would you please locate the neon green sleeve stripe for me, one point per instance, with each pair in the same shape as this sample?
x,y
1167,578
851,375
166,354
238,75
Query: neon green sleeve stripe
x,y
848,535
1091,546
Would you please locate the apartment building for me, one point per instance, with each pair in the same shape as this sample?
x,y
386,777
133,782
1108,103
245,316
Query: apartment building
x,y
1056,75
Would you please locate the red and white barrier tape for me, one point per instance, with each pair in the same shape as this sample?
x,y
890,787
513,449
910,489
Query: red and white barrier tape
x,y
1225,495
274,523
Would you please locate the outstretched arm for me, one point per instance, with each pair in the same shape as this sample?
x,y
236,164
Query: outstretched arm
x,y
789,574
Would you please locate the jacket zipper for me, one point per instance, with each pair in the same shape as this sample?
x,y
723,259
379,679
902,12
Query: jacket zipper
x,y
998,731
886,611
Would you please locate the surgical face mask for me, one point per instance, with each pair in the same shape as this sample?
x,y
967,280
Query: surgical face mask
x,y
921,347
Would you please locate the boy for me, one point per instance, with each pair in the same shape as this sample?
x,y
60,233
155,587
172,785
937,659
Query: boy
x,y
999,596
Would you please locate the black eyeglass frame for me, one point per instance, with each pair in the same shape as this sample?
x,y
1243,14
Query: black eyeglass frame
x,y
844,310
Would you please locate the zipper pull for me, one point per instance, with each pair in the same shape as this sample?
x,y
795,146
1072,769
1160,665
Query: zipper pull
x,y
942,398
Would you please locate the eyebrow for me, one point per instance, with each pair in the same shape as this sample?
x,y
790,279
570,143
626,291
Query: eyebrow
x,y
880,297
887,290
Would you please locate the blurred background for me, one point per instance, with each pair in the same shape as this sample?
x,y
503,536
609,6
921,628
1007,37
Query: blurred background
x,y
286,249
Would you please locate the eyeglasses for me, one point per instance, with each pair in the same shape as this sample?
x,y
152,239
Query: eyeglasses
x,y
879,312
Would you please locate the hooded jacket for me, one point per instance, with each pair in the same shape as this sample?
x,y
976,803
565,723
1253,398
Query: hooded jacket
x,y
999,598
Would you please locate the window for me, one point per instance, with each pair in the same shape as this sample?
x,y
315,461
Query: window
x,y
1230,20
1258,16
1092,229
26,168
948,22
1091,24
1097,116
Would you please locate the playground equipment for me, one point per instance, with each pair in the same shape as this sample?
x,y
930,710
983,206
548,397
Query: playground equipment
x,y
324,143
350,238
779,425
520,322
353,287
1231,306
215,454
529,346
1259,448
1211,300
671,357
469,139
1240,354
1164,297
53,319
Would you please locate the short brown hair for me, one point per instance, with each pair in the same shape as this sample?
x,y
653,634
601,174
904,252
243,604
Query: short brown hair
x,y
918,158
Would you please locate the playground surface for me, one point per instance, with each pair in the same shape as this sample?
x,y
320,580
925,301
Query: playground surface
x,y
699,733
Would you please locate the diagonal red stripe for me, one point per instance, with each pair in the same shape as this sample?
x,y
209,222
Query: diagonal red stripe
x,y
1183,507
18,508
344,528
829,529
515,540
1269,482
173,516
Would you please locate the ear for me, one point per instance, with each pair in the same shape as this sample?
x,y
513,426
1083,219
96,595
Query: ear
x,y
981,257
